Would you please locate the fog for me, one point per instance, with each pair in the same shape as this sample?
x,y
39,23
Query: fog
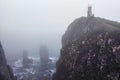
x,y
28,24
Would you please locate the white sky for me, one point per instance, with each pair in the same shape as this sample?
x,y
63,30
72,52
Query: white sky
x,y
26,24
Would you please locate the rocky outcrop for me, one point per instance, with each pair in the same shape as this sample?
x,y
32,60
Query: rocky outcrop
x,y
44,55
6,72
90,51
26,60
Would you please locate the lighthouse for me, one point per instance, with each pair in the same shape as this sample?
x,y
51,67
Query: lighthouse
x,y
89,12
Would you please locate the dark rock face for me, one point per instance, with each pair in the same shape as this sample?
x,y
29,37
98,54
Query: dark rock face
x,y
90,51
5,70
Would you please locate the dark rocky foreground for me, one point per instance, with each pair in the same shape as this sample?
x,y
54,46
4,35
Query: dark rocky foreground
x,y
90,50
6,72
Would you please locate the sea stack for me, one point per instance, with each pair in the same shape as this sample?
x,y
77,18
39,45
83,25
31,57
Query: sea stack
x,y
26,60
90,50
44,55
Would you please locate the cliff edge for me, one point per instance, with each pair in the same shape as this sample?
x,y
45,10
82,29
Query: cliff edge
x,y
6,72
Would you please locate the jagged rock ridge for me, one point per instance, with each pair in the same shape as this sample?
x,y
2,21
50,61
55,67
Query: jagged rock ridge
x,y
5,70
90,50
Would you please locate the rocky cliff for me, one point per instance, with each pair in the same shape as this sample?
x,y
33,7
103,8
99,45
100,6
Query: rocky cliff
x,y
5,70
90,50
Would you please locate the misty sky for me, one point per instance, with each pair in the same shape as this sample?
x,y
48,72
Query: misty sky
x,y
27,24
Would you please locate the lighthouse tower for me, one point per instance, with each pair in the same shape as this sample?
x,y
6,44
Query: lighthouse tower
x,y
89,13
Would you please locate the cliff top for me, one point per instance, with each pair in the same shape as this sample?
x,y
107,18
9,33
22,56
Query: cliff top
x,y
83,26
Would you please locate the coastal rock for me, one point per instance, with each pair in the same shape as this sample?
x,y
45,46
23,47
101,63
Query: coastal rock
x,y
26,60
44,55
6,72
90,50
